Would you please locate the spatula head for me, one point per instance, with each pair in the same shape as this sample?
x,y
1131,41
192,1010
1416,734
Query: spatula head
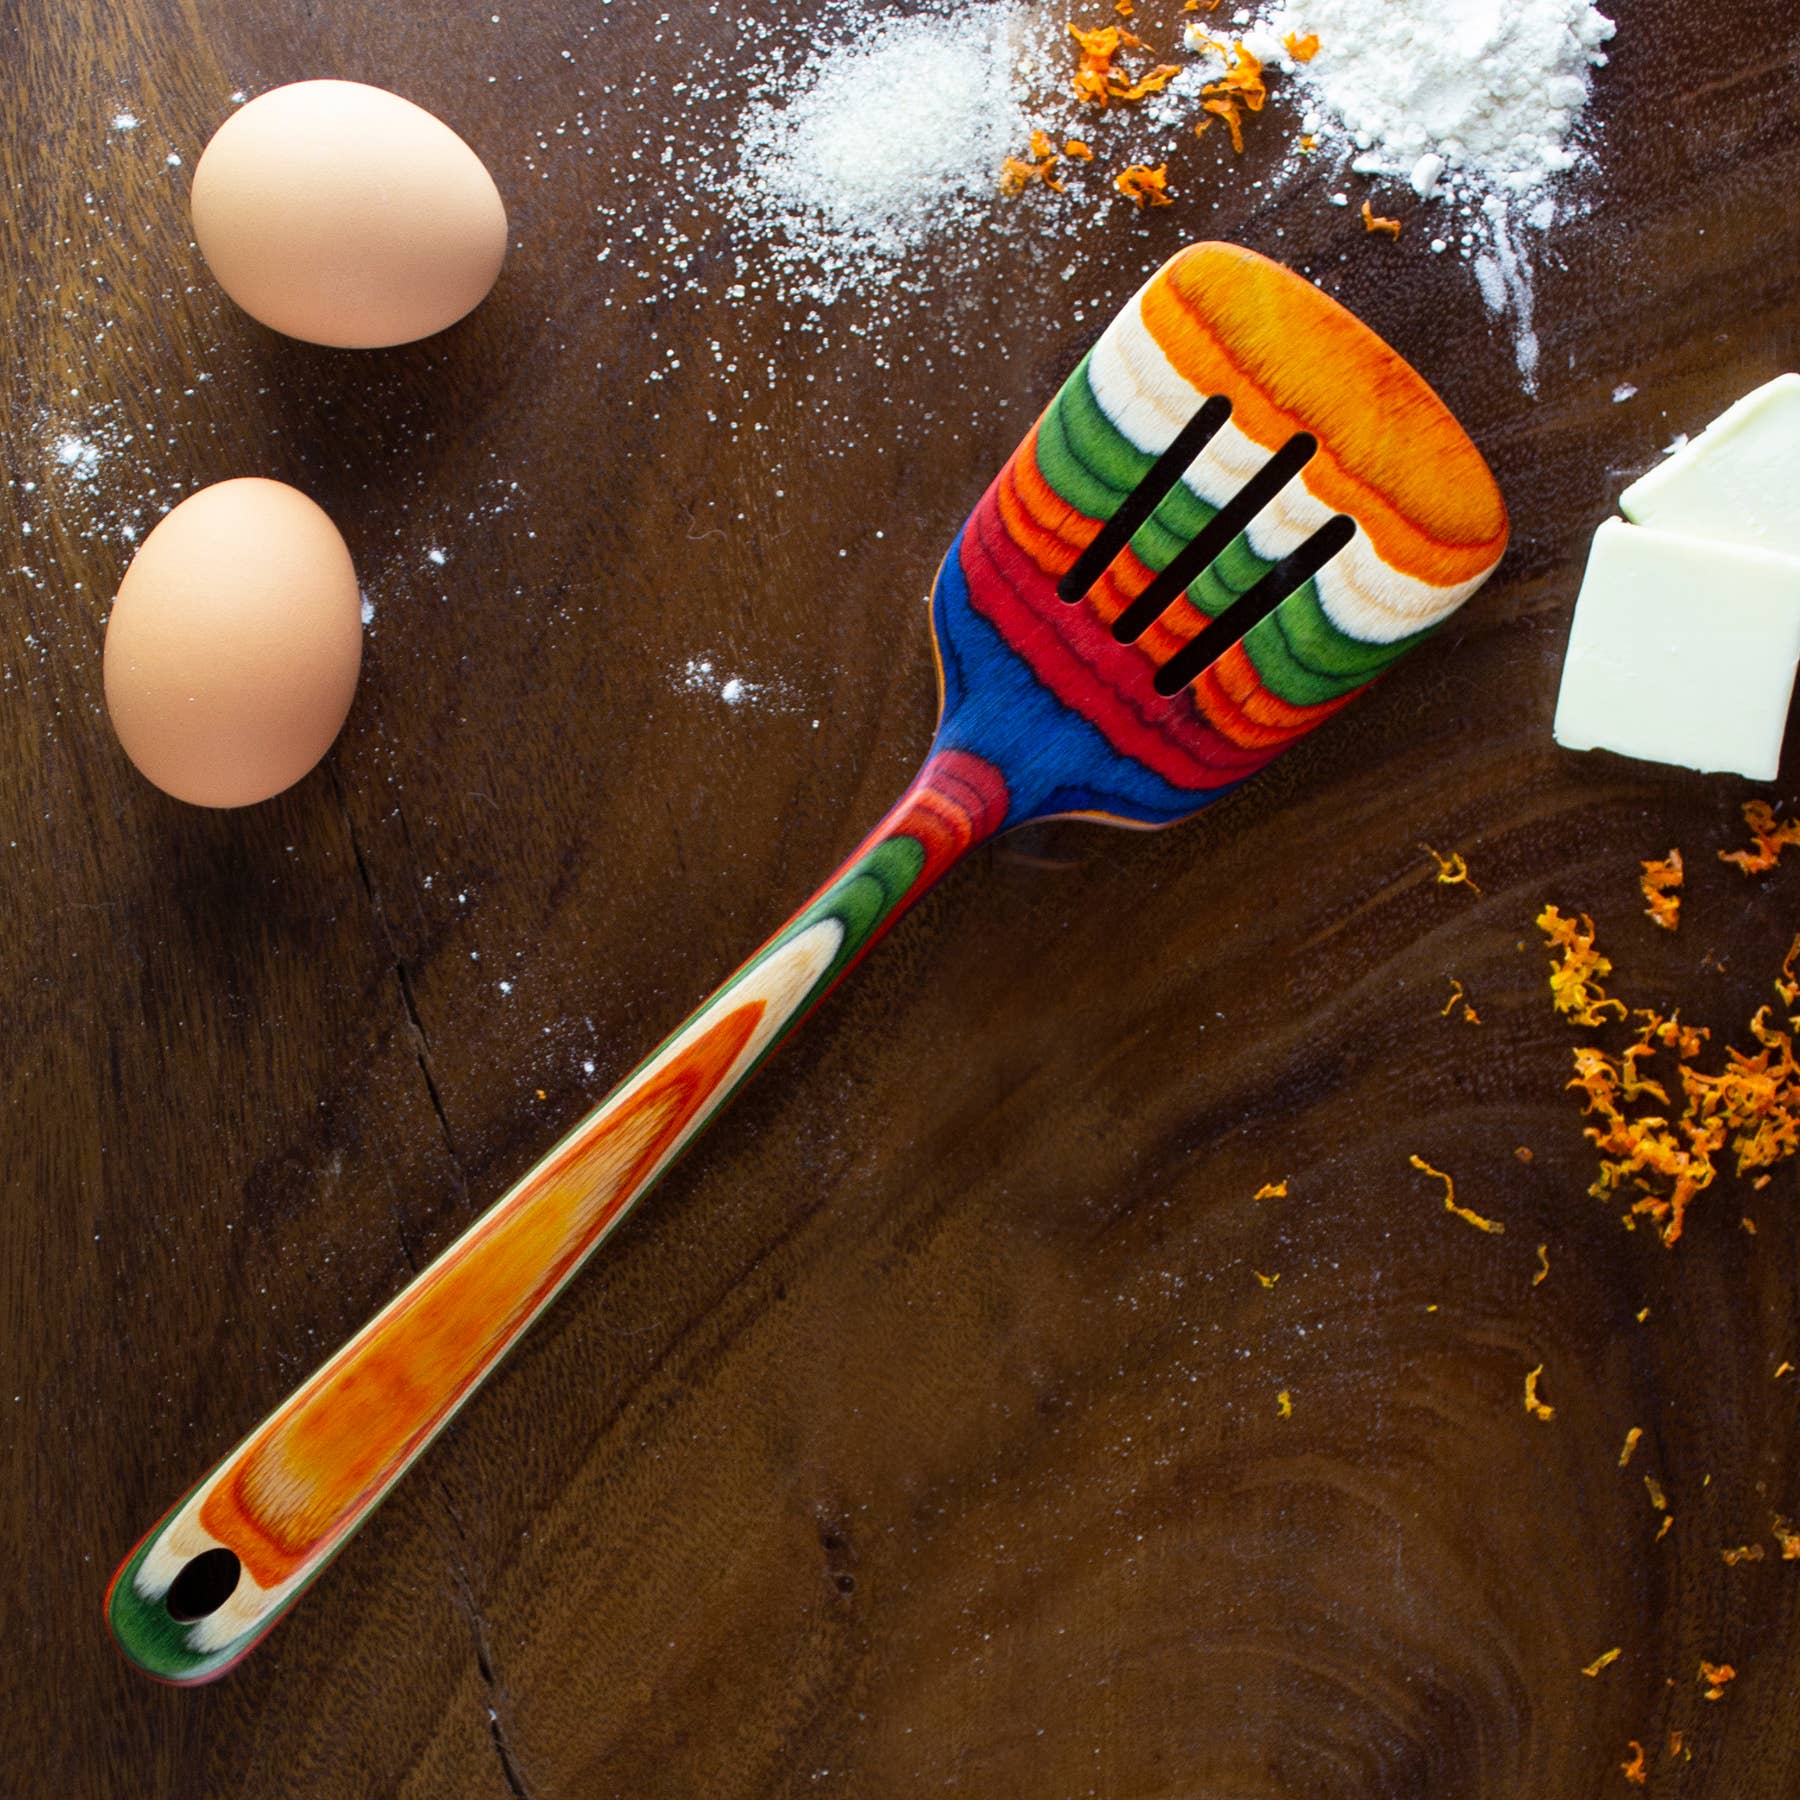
x,y
1135,694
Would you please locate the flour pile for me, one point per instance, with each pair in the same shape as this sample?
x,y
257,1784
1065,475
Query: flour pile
x,y
1476,103
1487,90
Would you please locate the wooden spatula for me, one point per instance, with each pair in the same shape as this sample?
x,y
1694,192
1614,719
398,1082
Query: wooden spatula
x,y
1240,509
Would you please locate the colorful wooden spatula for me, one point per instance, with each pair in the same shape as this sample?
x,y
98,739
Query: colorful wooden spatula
x,y
1240,509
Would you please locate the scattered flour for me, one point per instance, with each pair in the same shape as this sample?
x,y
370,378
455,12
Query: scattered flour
x,y
699,675
702,675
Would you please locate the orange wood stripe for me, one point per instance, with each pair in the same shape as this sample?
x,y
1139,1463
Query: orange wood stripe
x,y
1292,359
339,1441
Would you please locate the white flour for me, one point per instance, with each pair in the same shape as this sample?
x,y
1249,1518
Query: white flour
x,y
1473,104
1482,90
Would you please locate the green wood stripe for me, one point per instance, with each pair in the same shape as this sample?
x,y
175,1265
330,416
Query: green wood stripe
x,y
1081,454
1303,658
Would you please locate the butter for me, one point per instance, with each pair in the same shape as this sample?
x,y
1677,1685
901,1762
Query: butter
x,y
1739,480
1683,651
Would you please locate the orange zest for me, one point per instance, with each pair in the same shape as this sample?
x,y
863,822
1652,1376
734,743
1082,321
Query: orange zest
x,y
1228,111
1631,1443
1717,1677
1539,1410
1604,1660
1575,980
1543,1268
1742,1554
1492,1226
1787,1538
1097,82
1301,49
1635,1771
1076,151
1453,871
1373,221
1018,173
1239,90
1144,186
1271,1190
1772,836
1660,880
1470,1015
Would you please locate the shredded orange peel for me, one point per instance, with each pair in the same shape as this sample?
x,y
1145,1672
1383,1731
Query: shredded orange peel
x,y
1631,1443
1301,49
1575,980
1271,1190
1660,880
1716,1676
1373,221
1604,1660
1144,186
1470,1015
1098,83
1494,1226
1636,1770
1453,871
1772,836
1541,1410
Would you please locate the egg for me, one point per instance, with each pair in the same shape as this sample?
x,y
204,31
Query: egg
x,y
344,215
234,644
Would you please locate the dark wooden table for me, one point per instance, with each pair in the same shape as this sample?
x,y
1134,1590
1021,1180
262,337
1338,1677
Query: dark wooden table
x,y
922,1432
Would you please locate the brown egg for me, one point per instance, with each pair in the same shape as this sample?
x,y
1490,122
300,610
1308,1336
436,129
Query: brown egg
x,y
233,647
344,215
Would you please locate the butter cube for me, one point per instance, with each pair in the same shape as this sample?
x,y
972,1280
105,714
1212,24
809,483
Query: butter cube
x,y
1682,652
1738,480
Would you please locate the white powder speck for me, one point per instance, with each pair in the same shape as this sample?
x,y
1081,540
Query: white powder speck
x,y
368,618
1622,393
80,456
173,159
506,987
126,121
436,556
587,1066
1677,442
735,691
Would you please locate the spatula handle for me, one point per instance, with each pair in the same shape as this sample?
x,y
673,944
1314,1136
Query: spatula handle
x,y
207,1582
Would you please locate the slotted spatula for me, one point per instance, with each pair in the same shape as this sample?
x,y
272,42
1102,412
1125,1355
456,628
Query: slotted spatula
x,y
1241,508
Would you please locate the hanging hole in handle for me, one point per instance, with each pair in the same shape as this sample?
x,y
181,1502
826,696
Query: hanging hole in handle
x,y
204,1585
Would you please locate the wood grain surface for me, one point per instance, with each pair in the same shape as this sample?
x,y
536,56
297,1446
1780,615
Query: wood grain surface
x,y
922,1433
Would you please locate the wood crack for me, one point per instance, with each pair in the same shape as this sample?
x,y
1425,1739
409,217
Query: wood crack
x,y
415,1024
510,1771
